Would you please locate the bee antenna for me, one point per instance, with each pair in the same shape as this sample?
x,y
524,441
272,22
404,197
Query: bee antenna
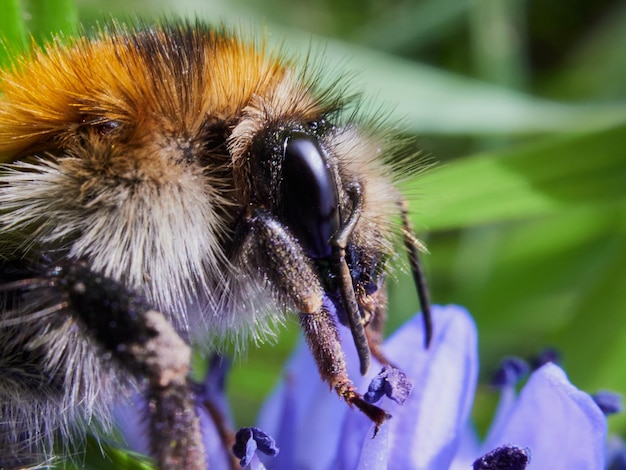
x,y
413,245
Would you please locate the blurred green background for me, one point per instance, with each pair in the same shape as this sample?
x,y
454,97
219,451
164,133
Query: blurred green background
x,y
522,106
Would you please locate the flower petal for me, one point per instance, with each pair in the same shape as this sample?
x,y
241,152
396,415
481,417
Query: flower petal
x,y
469,448
217,454
303,415
615,453
375,452
506,405
561,425
130,418
425,432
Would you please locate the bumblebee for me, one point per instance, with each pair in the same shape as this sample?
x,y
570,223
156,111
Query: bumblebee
x,y
161,185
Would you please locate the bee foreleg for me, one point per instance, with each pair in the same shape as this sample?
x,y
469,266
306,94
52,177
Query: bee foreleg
x,y
279,256
144,343
322,337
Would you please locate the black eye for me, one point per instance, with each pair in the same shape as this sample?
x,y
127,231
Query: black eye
x,y
310,196
108,127
103,127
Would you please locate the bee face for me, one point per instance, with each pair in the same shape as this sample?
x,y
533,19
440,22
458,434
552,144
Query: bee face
x,y
188,166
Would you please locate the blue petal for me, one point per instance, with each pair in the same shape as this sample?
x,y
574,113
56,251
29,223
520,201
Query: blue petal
x,y
425,432
212,389
375,452
562,426
303,415
469,448
506,405
615,453
130,417
217,454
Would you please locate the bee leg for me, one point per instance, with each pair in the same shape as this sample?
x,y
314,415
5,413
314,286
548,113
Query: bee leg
x,y
278,255
144,343
320,332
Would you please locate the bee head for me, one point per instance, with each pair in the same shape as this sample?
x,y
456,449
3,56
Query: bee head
x,y
323,185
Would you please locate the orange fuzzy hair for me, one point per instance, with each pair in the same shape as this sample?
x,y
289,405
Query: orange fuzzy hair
x,y
108,79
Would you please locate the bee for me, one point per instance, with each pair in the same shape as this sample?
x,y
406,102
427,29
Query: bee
x,y
165,184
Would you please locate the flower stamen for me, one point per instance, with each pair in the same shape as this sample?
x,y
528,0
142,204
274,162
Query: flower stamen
x,y
507,457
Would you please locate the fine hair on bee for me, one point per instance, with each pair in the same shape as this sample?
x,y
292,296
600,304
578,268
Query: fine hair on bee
x,y
163,184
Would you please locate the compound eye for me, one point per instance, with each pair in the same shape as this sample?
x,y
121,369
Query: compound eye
x,y
310,195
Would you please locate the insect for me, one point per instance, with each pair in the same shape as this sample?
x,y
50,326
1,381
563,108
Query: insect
x,y
164,183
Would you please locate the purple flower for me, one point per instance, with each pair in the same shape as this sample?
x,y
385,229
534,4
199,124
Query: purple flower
x,y
429,393
550,422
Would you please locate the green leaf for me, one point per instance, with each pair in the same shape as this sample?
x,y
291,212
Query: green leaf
x,y
597,69
406,25
52,18
98,455
539,258
552,281
432,101
12,30
540,179
424,99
